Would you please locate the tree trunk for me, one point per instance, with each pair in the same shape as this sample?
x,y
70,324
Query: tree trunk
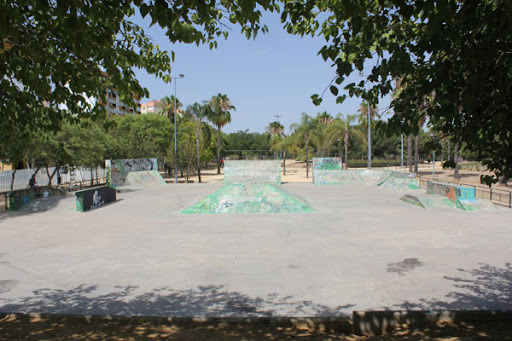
x,y
50,176
219,161
92,178
416,153
456,159
284,162
307,158
198,152
188,173
13,177
346,150
442,152
409,152
503,181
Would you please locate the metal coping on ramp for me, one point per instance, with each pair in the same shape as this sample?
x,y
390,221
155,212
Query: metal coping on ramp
x,y
132,172
245,198
254,172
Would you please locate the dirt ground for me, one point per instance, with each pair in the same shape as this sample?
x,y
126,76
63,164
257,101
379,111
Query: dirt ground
x,y
137,328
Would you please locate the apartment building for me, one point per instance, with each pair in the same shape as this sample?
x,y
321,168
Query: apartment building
x,y
151,107
114,105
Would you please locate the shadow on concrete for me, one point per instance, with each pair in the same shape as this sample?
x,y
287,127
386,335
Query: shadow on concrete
x,y
485,288
205,301
37,205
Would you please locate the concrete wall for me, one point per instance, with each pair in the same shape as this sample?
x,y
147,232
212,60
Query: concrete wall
x,y
94,197
18,198
252,171
118,170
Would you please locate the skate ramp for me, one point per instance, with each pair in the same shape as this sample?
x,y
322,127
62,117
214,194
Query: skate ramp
x,y
143,179
400,181
249,198
444,195
133,172
393,180
252,172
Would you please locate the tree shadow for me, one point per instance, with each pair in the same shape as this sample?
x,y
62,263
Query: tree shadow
x,y
204,301
37,205
485,288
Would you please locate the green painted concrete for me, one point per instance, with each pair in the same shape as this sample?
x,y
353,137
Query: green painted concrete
x,y
249,198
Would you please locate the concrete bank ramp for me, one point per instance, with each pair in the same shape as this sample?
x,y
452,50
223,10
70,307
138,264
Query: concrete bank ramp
x,y
249,198
252,171
393,180
133,173
143,179
442,194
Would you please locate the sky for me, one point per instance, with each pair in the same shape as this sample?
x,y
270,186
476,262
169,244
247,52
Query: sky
x,y
267,79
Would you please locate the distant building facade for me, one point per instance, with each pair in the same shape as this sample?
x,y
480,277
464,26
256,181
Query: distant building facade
x,y
151,107
113,105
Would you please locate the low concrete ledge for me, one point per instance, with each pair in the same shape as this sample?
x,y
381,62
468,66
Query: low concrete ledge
x,y
18,198
94,197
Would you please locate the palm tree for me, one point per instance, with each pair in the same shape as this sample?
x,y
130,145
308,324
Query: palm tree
x,y
341,127
426,103
275,129
302,133
400,85
220,115
168,107
318,136
199,112
368,112
285,144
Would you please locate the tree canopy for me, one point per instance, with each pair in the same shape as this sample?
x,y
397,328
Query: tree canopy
x,y
53,54
458,53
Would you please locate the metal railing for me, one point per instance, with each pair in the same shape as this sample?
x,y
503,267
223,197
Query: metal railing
x,y
497,195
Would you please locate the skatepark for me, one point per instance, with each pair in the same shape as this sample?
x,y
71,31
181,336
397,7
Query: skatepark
x,y
355,248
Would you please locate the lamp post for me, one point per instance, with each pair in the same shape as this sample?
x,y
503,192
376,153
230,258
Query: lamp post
x,y
175,131
401,151
369,139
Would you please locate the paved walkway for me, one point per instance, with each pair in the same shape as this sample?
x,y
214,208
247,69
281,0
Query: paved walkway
x,y
362,249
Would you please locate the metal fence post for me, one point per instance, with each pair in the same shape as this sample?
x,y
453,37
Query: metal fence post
x,y
510,199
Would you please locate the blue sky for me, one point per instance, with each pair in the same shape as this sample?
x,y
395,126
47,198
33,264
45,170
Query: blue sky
x,y
275,74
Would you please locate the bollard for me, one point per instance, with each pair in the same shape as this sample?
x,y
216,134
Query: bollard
x,y
510,199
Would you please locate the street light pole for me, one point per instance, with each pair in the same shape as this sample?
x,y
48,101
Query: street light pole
x,y
401,151
369,139
175,131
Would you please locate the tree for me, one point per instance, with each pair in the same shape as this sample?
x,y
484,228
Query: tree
x,y
275,130
368,112
427,42
302,134
200,112
168,107
284,145
220,115
46,63
341,127
318,136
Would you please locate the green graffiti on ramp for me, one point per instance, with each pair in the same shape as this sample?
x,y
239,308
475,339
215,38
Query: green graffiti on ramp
x,y
249,198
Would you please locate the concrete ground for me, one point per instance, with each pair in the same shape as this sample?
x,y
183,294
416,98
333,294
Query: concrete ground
x,y
363,249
